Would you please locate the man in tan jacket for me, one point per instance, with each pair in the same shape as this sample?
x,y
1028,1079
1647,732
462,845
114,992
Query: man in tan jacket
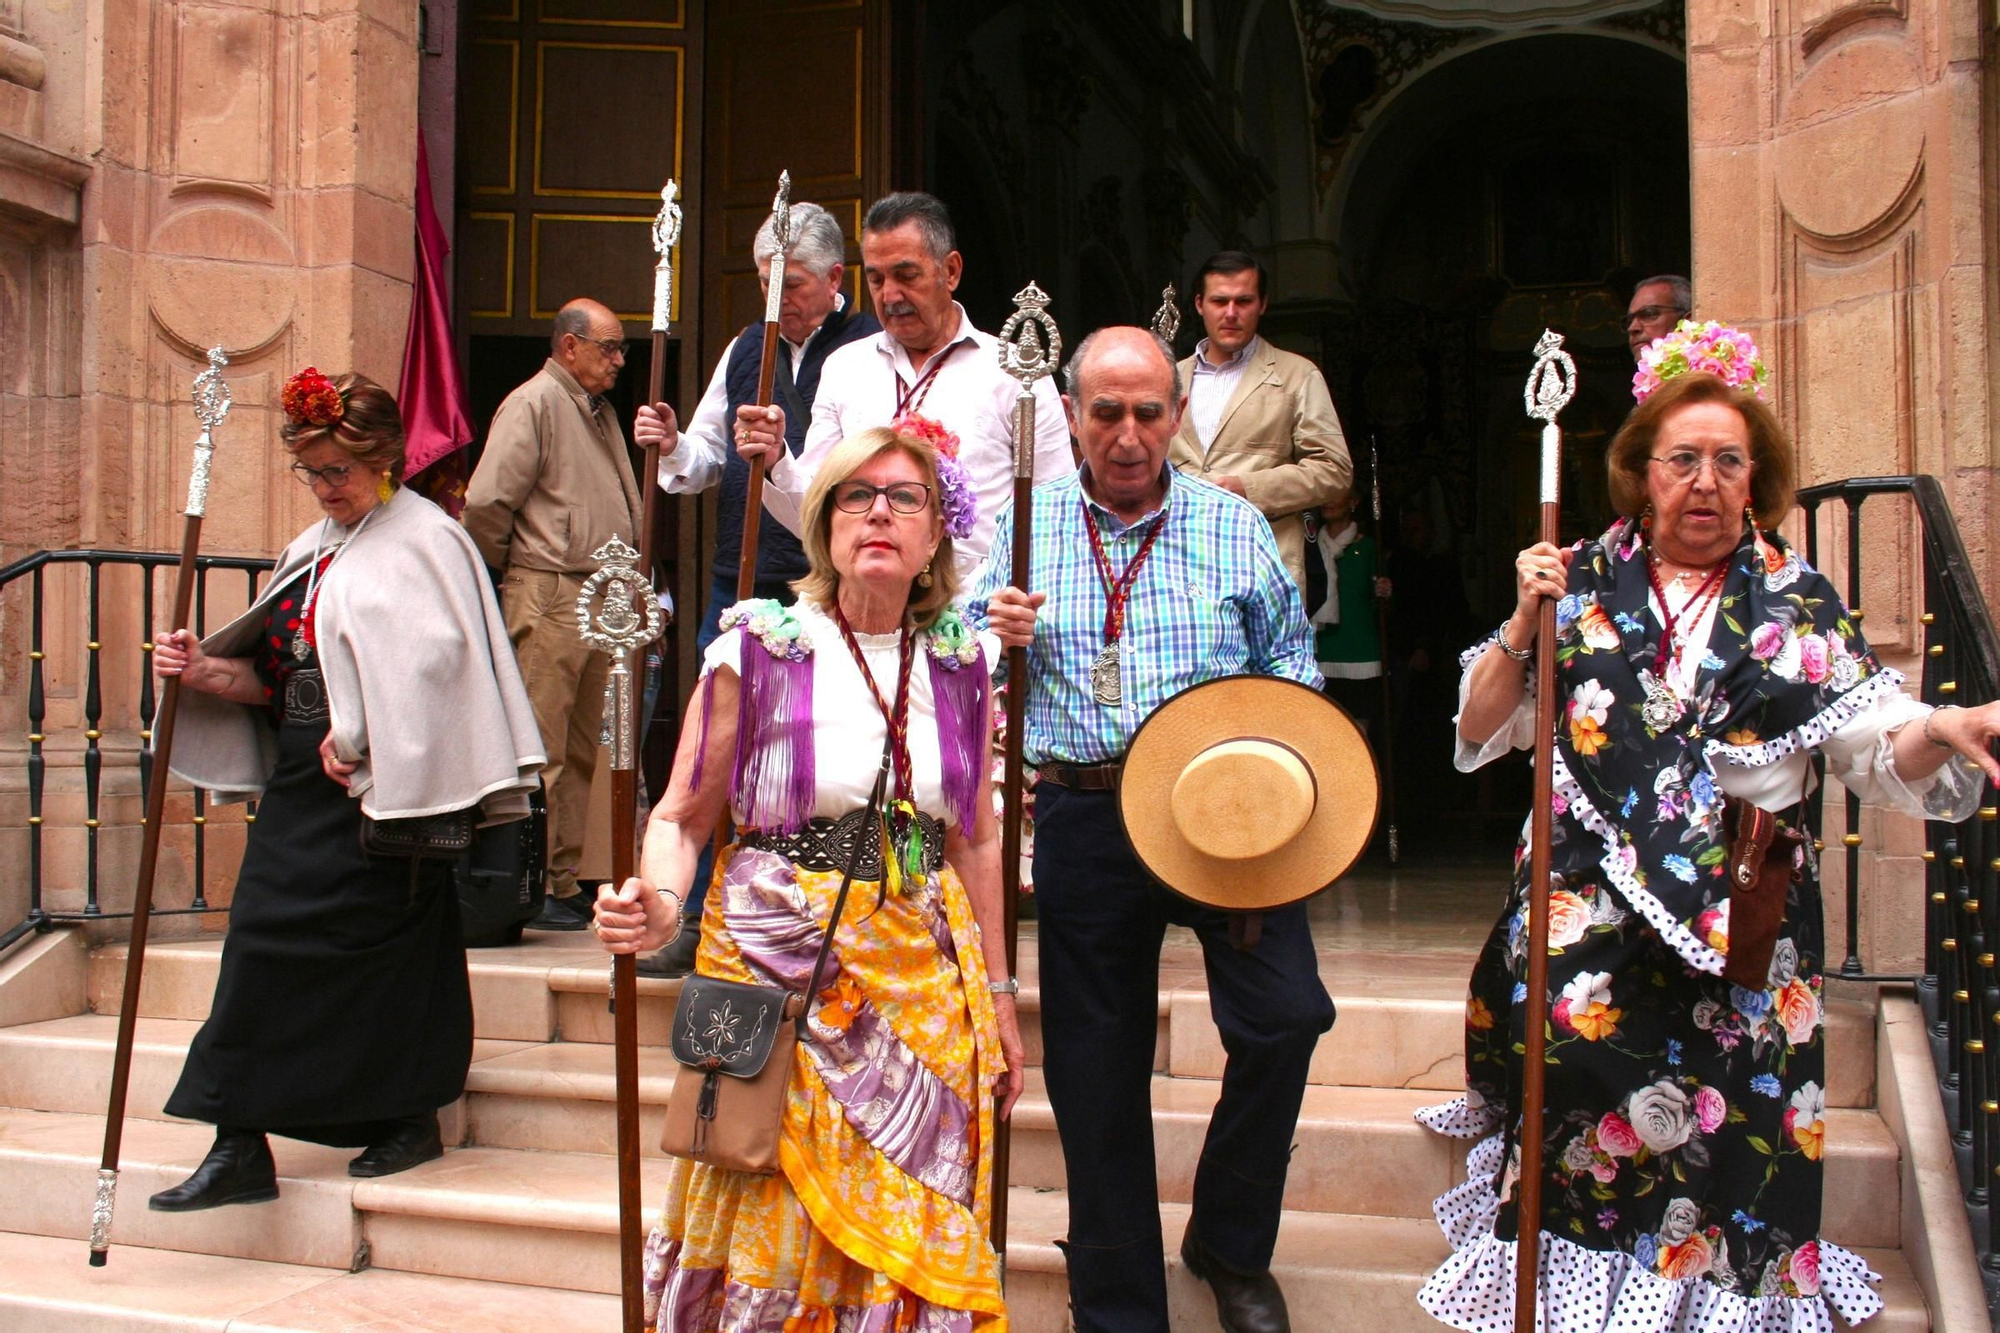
x,y
1259,421
553,484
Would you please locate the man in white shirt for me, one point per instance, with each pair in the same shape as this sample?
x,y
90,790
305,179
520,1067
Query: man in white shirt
x,y
928,361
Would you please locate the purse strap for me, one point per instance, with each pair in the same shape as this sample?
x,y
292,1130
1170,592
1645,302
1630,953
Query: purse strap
x,y
846,882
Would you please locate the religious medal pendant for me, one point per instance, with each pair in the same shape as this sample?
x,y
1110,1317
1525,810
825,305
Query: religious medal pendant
x,y
300,648
1662,707
1105,684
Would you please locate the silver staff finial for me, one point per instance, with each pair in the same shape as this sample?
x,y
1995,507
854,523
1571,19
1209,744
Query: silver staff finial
x,y
781,213
1030,343
1552,383
211,405
666,235
615,627
1167,319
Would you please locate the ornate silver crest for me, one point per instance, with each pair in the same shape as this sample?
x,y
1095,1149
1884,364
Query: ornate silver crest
x,y
617,626
1552,383
211,406
1167,319
781,232
1030,348
666,235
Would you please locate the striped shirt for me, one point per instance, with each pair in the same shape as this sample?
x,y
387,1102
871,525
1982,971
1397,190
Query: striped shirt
x,y
1213,599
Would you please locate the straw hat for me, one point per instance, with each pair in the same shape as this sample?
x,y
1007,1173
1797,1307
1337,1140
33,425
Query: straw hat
x,y
1248,793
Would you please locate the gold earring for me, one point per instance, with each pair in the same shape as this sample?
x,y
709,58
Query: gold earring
x,y
1646,518
1750,516
382,488
924,579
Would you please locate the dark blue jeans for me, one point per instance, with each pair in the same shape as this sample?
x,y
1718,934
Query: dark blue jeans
x,y
721,596
1101,921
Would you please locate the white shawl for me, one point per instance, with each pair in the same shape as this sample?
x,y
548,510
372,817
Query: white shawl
x,y
421,682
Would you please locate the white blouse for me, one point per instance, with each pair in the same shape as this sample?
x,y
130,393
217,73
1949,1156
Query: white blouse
x,y
1859,752
848,726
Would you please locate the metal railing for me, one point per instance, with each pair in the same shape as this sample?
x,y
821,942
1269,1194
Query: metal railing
x,y
1959,988
31,572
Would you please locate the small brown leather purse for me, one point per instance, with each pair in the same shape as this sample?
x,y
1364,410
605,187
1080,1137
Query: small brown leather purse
x,y
735,1042
1762,866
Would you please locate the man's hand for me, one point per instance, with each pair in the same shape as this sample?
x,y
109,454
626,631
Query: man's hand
x,y
760,433
1010,613
656,425
1232,484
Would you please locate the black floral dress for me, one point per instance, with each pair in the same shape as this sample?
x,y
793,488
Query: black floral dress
x,y
1685,1125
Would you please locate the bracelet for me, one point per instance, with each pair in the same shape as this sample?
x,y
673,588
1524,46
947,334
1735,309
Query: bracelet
x,y
1942,745
1011,986
1518,654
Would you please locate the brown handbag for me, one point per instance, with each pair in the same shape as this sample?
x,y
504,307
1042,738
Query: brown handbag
x,y
1762,866
735,1042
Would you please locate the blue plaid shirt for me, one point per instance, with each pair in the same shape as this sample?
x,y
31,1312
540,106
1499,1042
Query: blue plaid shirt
x,y
1213,599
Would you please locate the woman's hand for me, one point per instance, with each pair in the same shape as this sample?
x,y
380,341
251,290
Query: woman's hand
x,y
760,433
1541,571
1010,614
177,652
1969,731
330,762
634,918
656,425
1009,1088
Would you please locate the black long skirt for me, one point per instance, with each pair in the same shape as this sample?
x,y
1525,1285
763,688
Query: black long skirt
x,y
343,1001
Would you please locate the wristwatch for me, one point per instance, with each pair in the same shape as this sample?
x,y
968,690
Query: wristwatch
x,y
1011,986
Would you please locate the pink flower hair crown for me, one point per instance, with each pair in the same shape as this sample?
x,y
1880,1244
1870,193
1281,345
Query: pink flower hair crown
x,y
957,501
1713,348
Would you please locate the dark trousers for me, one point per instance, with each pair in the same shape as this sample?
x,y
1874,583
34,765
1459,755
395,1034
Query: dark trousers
x,y
1101,921
721,596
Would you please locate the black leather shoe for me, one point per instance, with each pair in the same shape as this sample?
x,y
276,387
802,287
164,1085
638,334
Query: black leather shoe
x,y
571,913
238,1169
677,959
414,1143
1244,1302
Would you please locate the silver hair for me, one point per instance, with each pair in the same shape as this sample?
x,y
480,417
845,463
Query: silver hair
x,y
817,241
571,319
1682,289
1073,369
927,211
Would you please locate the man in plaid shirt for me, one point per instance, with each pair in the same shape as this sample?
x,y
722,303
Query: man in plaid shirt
x,y
1150,582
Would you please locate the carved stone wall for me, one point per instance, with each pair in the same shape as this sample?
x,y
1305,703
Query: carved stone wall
x,y
1841,207
240,173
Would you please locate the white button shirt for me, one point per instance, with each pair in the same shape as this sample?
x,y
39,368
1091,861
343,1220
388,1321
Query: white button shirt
x,y
1212,388
971,396
708,438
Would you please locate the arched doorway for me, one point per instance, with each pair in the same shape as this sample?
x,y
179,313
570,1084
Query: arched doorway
x,y
1515,186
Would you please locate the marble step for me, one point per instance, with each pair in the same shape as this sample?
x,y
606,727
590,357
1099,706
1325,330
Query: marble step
x,y
1400,1024
50,1288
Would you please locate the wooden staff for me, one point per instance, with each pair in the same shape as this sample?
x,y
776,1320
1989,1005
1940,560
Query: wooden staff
x,y
666,235
1387,751
1030,348
1550,386
767,373
618,627
211,405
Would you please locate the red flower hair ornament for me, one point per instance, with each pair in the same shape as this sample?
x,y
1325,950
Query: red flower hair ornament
x,y
309,399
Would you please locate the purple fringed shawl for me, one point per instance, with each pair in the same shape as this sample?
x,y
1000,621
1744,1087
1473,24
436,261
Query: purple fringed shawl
x,y
962,691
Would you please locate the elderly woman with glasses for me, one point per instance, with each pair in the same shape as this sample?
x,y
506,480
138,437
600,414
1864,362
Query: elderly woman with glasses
x,y
879,1214
369,686
1701,665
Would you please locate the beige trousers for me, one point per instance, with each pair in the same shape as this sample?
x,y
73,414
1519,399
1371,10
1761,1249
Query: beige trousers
x,y
565,680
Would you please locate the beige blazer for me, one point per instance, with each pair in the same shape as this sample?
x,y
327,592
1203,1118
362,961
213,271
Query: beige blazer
x,y
1278,434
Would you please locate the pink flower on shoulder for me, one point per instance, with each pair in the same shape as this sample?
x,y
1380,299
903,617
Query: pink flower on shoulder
x,y
1805,1268
1616,1136
1813,658
1710,1109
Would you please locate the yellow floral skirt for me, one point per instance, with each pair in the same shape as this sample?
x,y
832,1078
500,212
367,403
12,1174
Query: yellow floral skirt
x,y
878,1219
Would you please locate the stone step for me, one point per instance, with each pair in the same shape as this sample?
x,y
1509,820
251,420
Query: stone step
x,y
51,1289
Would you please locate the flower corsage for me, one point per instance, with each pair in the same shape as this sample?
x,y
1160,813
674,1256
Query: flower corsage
x,y
951,641
763,619
1713,348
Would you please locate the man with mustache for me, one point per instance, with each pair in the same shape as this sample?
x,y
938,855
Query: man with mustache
x,y
814,320
928,362
1259,422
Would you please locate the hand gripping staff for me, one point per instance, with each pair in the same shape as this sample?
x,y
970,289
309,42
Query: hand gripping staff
x,y
1551,384
1030,348
618,628
767,372
1388,751
211,405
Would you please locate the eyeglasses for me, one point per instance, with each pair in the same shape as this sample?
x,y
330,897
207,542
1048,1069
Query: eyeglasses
x,y
614,348
1684,464
858,497
335,476
1646,314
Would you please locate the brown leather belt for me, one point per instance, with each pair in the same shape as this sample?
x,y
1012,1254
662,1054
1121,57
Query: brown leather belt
x,y
1083,777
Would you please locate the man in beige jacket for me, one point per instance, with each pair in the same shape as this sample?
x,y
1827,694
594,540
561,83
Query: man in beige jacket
x,y
1259,421
553,484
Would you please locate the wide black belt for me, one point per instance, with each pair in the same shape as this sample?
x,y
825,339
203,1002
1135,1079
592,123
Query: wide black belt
x,y
852,843
1083,777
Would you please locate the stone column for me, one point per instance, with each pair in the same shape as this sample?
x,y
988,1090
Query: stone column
x,y
1842,210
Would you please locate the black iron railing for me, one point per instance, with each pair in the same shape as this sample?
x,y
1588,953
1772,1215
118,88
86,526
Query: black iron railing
x,y
28,579
1959,988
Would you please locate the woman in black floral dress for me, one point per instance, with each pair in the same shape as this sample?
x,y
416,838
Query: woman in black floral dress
x,y
1698,658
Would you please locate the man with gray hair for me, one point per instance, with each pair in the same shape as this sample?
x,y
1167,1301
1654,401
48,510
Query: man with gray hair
x,y
1658,303
814,318
929,361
